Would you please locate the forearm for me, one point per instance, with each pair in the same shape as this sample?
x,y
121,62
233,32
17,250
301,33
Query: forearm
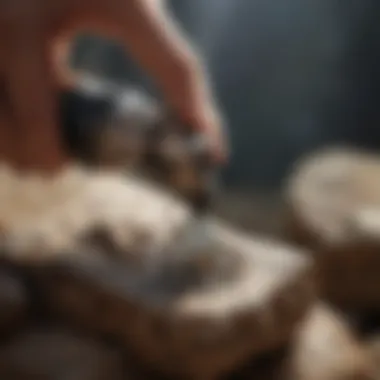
x,y
151,35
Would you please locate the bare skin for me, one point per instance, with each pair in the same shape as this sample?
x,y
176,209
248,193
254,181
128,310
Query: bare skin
x,y
29,31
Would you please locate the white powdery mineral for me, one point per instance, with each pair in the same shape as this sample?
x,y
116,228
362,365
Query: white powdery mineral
x,y
44,217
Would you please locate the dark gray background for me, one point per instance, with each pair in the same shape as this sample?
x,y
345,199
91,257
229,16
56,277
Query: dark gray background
x,y
291,75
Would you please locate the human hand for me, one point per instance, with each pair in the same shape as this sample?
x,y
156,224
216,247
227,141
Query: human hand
x,y
155,40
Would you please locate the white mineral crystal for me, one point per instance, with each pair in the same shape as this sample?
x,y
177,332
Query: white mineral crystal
x,y
44,217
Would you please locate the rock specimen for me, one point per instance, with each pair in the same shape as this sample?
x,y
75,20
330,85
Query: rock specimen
x,y
334,207
107,125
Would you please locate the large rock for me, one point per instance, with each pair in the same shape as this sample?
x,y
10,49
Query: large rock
x,y
334,209
191,297
54,354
